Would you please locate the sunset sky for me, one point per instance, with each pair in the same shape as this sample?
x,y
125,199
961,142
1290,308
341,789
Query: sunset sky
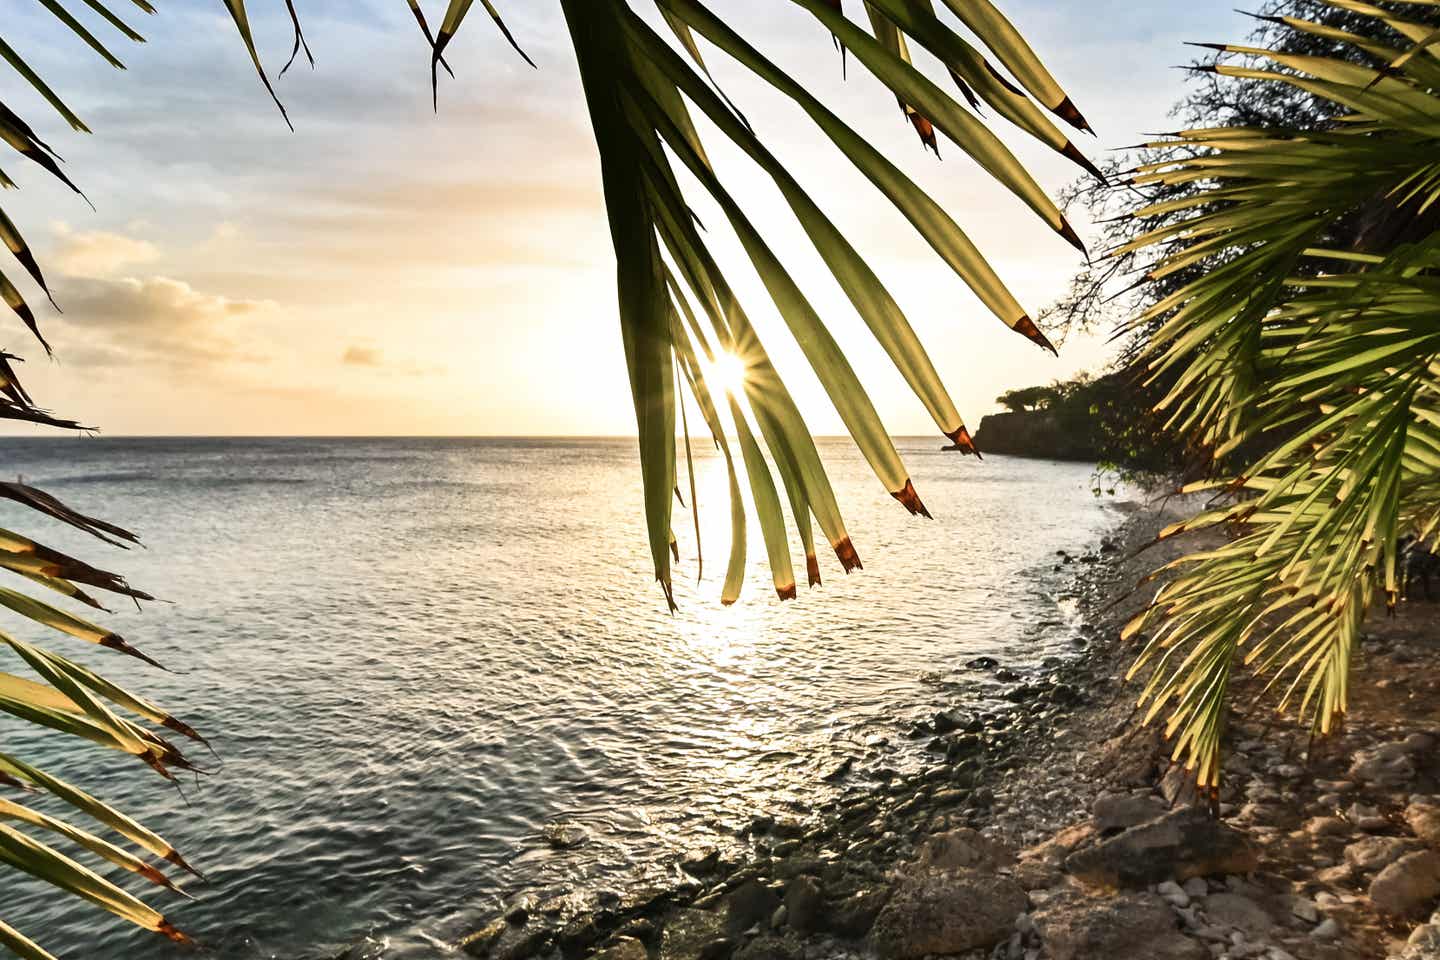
x,y
387,270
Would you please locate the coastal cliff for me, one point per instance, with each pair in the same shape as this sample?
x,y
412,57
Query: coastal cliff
x,y
1046,434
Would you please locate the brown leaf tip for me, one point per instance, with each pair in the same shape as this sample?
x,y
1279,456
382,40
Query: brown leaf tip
x,y
1026,327
962,439
812,567
786,592
849,559
911,500
1067,111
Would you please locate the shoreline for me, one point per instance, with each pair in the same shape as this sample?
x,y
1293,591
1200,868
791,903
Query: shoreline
x,y
1011,844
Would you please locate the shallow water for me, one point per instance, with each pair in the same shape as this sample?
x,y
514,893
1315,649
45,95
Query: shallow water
x,y
413,656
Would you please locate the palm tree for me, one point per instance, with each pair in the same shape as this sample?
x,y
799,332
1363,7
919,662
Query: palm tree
x,y
1314,337
679,317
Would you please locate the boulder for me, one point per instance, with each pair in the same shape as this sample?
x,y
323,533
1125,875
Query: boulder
x,y
1136,927
626,948
855,915
940,911
964,849
1377,853
1120,811
749,904
1240,912
1423,816
1062,844
1182,844
804,904
1407,884
692,935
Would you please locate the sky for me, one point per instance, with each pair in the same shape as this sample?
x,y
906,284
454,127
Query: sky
x,y
387,269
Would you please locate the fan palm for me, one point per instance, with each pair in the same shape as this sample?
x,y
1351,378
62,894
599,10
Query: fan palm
x,y
678,314
1326,358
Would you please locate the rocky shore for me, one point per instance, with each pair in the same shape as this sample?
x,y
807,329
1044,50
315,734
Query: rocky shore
x,y
1056,829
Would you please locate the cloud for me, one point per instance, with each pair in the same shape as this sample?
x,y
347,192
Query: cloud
x,y
156,321
358,356
97,253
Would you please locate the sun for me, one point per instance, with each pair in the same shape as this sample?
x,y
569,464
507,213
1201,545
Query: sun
x,y
726,373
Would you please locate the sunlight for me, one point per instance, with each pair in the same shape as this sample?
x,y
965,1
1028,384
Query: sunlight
x,y
726,373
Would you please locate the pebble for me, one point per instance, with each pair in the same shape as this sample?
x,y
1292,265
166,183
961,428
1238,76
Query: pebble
x,y
1173,893
1196,887
1328,929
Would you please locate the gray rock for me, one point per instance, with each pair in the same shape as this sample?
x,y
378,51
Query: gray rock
x,y
625,948
804,904
1240,912
689,934
1305,909
750,903
565,836
1377,853
855,915
1327,827
1366,818
1120,811
1423,816
1327,929
1197,887
700,862
1182,844
937,911
1173,894
964,849
1407,884
1371,767
1136,927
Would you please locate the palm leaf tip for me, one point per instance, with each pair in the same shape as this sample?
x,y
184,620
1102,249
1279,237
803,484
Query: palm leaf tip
x,y
1067,111
812,569
1026,328
845,553
961,438
910,500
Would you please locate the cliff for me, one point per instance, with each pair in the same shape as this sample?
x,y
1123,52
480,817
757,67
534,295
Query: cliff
x,y
1045,434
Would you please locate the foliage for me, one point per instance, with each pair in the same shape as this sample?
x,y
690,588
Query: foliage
x,y
640,90
1312,333
1027,398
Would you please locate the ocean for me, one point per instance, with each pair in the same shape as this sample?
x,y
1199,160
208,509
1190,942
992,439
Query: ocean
x,y
421,662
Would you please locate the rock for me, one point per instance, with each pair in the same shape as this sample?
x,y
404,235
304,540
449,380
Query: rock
x,y
947,721
750,903
1177,787
1119,811
938,911
565,836
1327,929
1370,767
1408,883
700,862
626,948
1423,816
840,772
855,915
1182,844
804,904
1173,894
1377,853
964,849
1305,909
479,943
1366,818
1327,827
1060,846
1136,927
769,947
691,934
1035,874
1240,912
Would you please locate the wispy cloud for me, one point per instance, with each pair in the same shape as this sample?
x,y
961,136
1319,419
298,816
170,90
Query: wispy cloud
x,y
97,253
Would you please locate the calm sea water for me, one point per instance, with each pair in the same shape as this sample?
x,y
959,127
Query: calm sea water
x,y
413,656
